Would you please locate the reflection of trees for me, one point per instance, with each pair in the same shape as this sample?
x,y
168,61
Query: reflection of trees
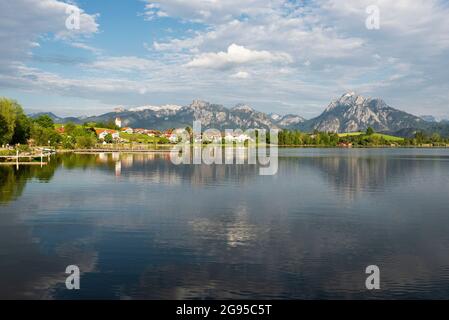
x,y
11,185
12,181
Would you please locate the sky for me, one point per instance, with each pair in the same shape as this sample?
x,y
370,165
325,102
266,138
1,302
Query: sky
x,y
281,56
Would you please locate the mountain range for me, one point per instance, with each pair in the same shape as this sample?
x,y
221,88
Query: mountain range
x,y
349,113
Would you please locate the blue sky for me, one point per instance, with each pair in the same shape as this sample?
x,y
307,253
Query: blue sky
x,y
278,56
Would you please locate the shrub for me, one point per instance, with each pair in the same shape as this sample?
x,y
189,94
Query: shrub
x,y
23,148
85,142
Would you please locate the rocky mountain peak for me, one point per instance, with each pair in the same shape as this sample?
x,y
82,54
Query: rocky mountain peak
x,y
243,108
349,99
352,112
199,104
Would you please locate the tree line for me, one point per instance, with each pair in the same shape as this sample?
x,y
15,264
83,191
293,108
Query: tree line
x,y
369,138
17,128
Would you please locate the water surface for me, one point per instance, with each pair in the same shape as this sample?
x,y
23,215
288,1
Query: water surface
x,y
140,227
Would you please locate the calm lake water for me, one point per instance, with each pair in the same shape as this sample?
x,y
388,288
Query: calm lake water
x,y
140,227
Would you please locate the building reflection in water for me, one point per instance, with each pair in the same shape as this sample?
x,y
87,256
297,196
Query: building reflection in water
x,y
158,167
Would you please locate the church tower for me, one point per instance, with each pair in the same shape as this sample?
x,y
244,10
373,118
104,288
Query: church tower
x,y
118,122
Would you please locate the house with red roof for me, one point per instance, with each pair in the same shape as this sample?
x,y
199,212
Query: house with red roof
x,y
102,133
128,130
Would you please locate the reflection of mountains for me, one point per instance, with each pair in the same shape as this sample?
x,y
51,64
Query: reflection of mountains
x,y
351,175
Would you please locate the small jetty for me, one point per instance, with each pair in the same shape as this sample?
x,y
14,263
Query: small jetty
x,y
27,158
23,163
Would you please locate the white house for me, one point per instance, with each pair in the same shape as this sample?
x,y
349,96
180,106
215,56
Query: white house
x,y
173,138
238,138
213,137
103,133
128,130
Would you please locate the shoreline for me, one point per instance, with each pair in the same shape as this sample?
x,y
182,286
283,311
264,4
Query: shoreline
x,y
168,150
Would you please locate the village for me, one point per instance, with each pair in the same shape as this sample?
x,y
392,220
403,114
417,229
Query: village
x,y
170,136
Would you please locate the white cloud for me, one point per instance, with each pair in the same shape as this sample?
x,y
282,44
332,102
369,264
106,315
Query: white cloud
x,y
208,10
240,75
237,55
23,22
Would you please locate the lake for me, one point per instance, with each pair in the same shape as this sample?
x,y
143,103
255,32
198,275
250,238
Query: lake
x,y
140,227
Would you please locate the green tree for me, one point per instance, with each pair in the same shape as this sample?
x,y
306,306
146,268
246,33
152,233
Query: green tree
x,y
374,140
4,130
15,125
369,131
436,137
108,138
69,128
68,142
23,127
85,142
324,138
8,121
45,121
43,136
420,137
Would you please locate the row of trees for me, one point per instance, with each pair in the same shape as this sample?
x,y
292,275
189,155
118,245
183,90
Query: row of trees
x,y
368,138
17,128
421,138
298,138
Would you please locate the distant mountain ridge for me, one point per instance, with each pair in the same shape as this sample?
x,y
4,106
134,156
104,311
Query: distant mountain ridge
x,y
349,113
57,119
352,113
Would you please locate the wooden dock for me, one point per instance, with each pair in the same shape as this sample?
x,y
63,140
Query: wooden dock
x,y
23,163
16,159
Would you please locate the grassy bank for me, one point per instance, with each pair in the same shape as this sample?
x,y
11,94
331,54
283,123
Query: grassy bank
x,y
386,137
